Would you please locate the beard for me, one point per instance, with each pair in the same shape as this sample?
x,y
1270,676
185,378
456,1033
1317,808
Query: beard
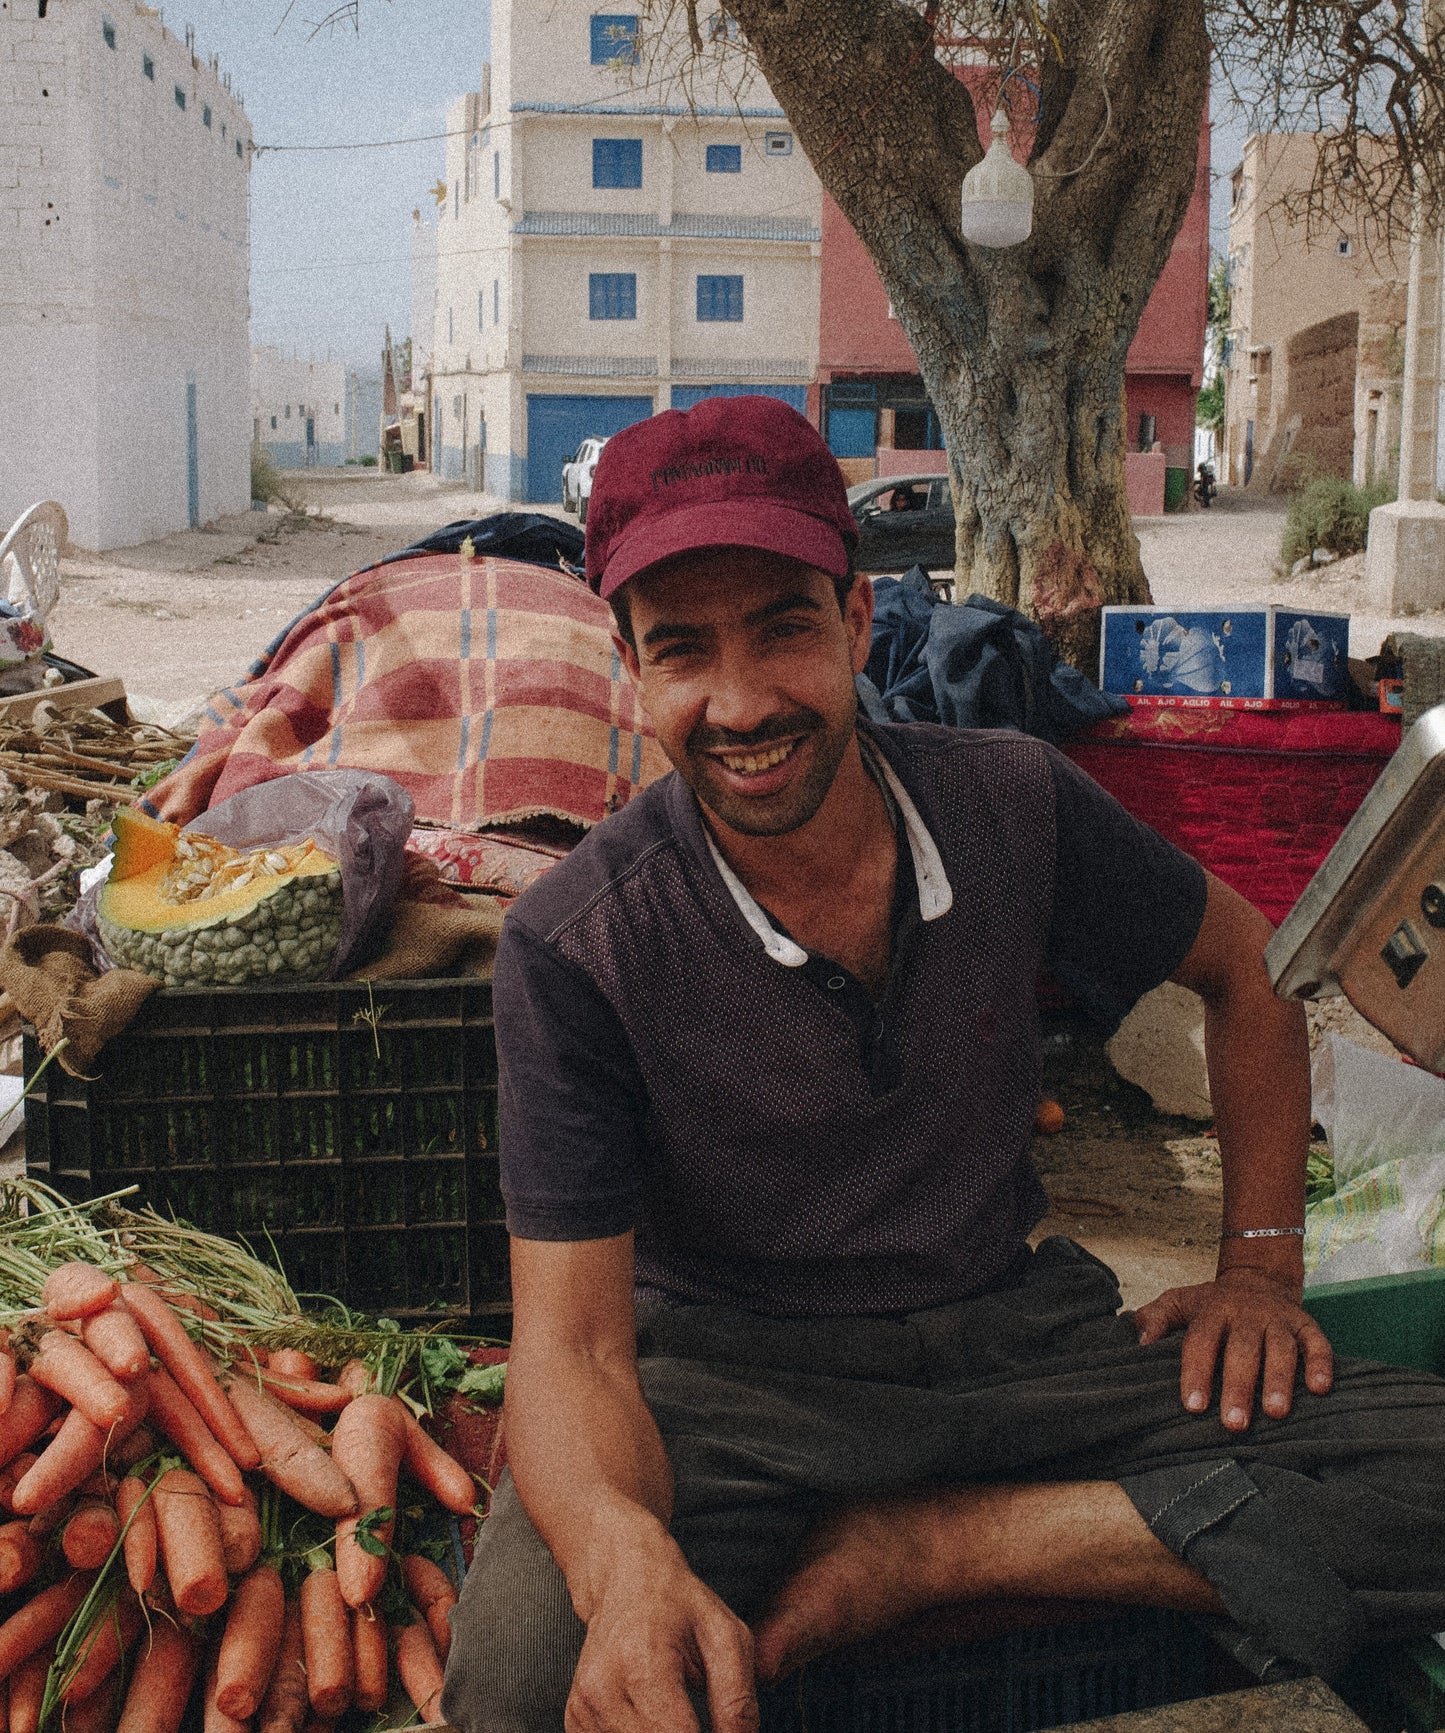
x,y
817,754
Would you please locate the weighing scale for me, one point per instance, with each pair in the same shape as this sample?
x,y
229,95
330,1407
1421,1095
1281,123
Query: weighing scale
x,y
1371,922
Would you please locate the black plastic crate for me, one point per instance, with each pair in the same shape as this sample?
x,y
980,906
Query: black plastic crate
x,y
1049,1676
356,1128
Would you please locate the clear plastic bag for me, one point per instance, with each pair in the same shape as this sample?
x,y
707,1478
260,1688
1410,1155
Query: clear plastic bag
x,y
1385,1122
359,817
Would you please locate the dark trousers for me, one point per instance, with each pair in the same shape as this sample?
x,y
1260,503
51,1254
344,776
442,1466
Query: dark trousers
x,y
1322,1533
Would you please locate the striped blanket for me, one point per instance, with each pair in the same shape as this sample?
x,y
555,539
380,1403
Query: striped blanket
x,y
489,689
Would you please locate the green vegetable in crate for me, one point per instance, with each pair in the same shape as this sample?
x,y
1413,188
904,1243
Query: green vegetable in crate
x,y
189,911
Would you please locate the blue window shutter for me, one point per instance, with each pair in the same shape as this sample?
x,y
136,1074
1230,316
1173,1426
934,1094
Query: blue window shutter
x,y
496,300
612,295
496,174
720,299
724,159
617,162
614,37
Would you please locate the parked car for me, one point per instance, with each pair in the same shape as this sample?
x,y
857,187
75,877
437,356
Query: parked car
x,y
577,477
903,521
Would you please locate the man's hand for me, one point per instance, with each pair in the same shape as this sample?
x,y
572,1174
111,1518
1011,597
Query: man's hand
x,y
656,1630
1258,1322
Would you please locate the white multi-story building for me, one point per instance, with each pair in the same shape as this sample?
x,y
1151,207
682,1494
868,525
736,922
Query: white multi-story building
x,y
624,232
124,353
300,410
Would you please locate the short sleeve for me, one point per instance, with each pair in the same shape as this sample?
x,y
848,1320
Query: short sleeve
x,y
1127,904
572,1103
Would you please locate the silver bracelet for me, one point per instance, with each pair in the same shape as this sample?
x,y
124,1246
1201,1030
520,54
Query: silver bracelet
x,y
1260,1233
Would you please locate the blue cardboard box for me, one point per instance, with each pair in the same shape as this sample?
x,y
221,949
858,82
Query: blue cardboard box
x,y
1246,658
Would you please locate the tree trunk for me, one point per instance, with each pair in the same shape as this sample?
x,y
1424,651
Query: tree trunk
x,y
1022,351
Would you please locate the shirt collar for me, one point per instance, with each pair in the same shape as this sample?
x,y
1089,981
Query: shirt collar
x,y
935,894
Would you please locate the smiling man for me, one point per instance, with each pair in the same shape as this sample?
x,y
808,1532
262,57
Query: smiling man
x,y
785,1368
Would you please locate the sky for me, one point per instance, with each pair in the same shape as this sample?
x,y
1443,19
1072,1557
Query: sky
x,y
331,231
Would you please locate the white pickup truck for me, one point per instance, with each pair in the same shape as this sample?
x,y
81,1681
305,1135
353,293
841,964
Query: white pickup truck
x,y
577,477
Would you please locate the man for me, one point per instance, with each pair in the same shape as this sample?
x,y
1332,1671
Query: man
x,y
785,1369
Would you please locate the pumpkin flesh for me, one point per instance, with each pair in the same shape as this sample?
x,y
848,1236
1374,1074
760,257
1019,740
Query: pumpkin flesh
x,y
190,911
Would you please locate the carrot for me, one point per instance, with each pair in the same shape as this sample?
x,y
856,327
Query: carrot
x,y
191,1369
189,1532
105,1646
368,1644
284,1706
70,1369
75,1452
27,1691
76,1290
438,1471
138,1520
114,1337
45,1522
175,1414
31,1410
367,1445
12,1474
288,1457
355,1376
7,1380
420,1670
433,1597
90,1535
292,1363
21,1554
326,1641
212,1720
96,1714
252,1642
136,1448
240,1533
40,1621
173,1296
160,1683
307,1398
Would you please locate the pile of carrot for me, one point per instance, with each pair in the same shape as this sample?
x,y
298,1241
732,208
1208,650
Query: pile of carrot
x,y
173,1524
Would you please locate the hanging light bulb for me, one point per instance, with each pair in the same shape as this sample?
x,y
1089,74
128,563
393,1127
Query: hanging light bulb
x,y
998,195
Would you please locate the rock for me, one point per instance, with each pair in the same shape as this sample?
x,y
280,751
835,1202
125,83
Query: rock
x,y
1339,1017
1160,1047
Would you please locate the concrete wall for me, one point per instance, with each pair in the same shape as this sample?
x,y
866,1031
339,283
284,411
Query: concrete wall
x,y
123,272
523,229
1289,274
286,390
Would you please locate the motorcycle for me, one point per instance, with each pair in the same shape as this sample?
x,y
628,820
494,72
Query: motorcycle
x,y
1205,486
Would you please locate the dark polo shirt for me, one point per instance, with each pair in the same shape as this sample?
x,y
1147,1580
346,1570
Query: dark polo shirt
x,y
673,1063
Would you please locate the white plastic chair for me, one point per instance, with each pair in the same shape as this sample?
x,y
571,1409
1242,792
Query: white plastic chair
x,y
30,559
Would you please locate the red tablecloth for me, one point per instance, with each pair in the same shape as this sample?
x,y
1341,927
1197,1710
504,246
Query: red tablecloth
x,y
1259,799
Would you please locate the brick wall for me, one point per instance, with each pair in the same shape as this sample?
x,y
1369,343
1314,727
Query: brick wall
x,y
1322,365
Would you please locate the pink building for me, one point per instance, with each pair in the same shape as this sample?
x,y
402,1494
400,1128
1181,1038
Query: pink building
x,y
870,401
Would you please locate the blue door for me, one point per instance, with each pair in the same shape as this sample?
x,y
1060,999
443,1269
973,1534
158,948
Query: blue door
x,y
193,459
556,426
795,396
852,432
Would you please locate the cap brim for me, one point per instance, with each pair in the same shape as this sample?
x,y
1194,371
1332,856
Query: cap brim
x,y
736,523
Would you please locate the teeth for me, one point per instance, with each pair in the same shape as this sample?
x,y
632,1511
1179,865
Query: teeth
x,y
751,763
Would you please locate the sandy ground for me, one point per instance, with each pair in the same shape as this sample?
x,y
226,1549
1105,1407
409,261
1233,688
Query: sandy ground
x,y
181,617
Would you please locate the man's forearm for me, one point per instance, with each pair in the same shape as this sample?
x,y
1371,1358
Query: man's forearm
x,y
588,1463
1258,1054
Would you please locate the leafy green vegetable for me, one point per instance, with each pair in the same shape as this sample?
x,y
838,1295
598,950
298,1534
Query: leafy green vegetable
x,y
366,1536
484,1383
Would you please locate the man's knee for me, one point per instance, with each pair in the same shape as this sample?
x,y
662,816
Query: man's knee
x,y
515,1636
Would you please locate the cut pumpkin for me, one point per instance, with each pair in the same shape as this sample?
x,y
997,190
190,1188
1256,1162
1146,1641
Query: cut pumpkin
x,y
190,911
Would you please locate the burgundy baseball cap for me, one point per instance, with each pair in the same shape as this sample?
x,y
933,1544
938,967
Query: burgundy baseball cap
x,y
734,472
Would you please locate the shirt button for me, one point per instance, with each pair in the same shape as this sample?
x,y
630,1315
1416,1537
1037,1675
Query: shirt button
x,y
836,983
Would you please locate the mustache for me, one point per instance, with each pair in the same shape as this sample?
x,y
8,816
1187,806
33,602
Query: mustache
x,y
789,727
